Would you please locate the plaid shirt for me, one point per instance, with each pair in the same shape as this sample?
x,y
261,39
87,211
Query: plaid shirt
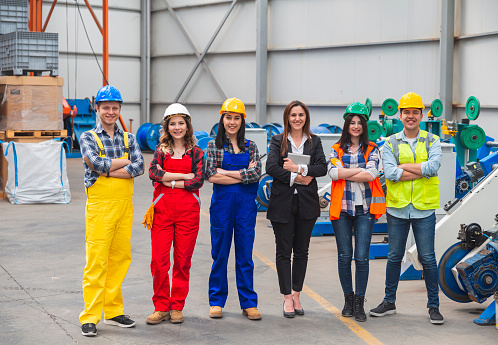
x,y
356,160
197,156
113,149
214,160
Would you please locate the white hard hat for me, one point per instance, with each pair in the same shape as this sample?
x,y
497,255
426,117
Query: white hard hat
x,y
176,109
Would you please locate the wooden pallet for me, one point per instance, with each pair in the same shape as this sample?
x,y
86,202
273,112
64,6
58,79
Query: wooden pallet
x,y
46,134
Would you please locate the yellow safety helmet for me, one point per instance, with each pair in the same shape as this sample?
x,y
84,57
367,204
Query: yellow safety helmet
x,y
233,105
411,100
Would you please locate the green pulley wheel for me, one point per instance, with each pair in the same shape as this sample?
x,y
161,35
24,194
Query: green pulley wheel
x,y
390,107
472,108
387,128
437,107
368,103
374,130
473,137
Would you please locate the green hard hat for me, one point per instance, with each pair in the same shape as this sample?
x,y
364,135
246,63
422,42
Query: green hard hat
x,y
357,108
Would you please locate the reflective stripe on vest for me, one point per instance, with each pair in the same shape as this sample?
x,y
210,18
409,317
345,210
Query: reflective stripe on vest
x,y
377,201
423,192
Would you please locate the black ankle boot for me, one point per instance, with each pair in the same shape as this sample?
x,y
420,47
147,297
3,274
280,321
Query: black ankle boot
x,y
359,312
348,309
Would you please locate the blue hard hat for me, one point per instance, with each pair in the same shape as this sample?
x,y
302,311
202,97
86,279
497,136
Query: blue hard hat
x,y
108,93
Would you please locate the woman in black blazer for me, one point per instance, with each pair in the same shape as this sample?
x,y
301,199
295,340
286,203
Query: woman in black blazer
x,y
294,207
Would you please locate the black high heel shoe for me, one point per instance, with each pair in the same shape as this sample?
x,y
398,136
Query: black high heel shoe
x,y
290,314
299,311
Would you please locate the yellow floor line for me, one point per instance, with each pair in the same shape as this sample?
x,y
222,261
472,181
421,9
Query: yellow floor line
x,y
350,323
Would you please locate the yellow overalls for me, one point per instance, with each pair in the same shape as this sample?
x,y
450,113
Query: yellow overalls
x,y
109,220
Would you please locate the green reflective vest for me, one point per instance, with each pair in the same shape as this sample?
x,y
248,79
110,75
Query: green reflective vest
x,y
423,192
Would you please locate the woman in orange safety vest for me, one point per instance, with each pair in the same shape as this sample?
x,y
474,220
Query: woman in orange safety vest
x,y
356,201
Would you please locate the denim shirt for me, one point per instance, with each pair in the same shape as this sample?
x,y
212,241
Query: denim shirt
x,y
393,173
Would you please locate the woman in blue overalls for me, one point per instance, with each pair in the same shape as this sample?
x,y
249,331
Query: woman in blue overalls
x,y
234,168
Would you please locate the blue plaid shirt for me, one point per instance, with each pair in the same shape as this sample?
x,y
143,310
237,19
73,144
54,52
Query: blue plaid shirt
x,y
356,160
113,149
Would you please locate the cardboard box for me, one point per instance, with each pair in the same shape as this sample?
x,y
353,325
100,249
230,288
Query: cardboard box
x,y
31,103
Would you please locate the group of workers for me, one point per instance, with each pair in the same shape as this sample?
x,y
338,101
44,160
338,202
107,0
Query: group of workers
x,y
112,159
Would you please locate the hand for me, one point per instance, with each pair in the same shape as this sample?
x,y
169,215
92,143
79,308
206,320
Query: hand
x,y
252,164
189,176
290,166
221,171
167,183
159,167
304,179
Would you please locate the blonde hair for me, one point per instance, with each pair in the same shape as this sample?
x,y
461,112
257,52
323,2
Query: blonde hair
x,y
166,141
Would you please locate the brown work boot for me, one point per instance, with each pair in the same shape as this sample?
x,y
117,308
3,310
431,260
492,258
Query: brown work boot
x,y
176,316
157,317
252,313
215,312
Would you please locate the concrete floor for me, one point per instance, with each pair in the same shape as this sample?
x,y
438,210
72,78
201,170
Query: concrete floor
x,y
42,256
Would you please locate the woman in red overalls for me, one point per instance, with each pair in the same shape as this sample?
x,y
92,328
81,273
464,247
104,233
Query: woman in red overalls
x,y
177,171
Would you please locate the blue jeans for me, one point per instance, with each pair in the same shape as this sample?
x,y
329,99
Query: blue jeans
x,y
423,230
344,227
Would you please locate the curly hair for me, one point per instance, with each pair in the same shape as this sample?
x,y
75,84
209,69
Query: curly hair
x,y
166,141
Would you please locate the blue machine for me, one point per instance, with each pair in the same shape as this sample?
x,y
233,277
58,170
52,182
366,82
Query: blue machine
x,y
85,120
477,276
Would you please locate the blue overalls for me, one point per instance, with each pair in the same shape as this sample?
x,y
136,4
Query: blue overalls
x,y
233,211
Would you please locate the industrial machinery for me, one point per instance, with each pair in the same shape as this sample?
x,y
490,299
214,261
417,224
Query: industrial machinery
x,y
468,270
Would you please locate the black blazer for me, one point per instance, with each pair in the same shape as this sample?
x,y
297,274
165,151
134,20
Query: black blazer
x,y
280,204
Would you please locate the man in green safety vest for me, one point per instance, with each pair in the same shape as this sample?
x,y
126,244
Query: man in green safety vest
x,y
411,159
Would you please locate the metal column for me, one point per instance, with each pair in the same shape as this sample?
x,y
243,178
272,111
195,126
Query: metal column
x,y
145,63
446,45
261,59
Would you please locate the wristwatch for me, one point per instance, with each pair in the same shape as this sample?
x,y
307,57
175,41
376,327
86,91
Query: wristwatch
x,y
173,184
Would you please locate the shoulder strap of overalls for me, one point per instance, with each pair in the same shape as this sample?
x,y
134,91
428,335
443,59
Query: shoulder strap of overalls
x,y
99,143
127,147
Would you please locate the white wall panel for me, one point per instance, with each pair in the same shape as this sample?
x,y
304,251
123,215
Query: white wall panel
x,y
237,34
477,16
298,23
340,76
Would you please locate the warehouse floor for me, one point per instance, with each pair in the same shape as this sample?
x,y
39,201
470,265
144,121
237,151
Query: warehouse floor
x,y
42,256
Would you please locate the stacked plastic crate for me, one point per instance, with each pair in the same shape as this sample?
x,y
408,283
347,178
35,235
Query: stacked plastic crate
x,y
22,51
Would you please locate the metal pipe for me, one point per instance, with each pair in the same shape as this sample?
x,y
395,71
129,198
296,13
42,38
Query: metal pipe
x,y
49,15
446,45
205,51
196,52
261,59
94,16
491,144
143,62
39,20
105,43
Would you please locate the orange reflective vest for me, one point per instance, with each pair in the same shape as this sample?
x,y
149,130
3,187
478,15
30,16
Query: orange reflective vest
x,y
378,200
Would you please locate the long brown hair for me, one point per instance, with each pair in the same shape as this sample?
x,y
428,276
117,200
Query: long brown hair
x,y
306,128
166,141
345,139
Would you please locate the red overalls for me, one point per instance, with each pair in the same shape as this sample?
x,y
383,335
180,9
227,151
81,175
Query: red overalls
x,y
176,219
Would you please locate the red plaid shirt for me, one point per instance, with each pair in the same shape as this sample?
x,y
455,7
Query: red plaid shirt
x,y
197,156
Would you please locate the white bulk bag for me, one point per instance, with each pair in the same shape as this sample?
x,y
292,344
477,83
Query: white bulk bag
x,y
37,173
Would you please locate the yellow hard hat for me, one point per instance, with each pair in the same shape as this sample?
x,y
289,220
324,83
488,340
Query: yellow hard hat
x,y
233,105
411,100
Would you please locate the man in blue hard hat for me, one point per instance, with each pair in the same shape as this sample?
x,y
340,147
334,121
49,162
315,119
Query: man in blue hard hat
x,y
112,159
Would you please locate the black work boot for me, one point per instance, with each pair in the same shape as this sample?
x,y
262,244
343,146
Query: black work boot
x,y
348,309
359,312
